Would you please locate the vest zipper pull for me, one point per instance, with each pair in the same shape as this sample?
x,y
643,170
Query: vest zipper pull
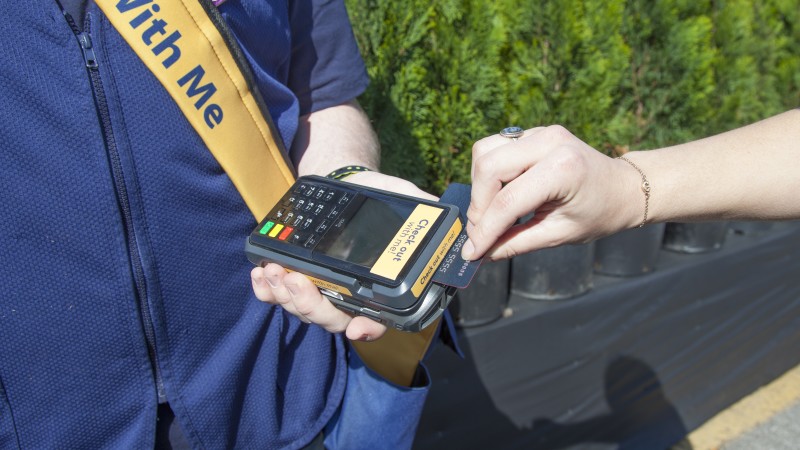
x,y
88,52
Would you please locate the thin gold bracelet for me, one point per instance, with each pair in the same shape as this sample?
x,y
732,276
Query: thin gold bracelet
x,y
645,188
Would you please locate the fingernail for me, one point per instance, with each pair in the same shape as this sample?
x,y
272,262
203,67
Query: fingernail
x,y
365,338
259,280
292,290
272,280
468,250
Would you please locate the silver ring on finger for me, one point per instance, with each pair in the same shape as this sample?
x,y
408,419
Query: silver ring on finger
x,y
512,133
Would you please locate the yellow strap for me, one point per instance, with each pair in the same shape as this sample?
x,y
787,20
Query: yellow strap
x,y
397,354
180,43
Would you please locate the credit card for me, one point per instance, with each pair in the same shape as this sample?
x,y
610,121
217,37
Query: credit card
x,y
454,270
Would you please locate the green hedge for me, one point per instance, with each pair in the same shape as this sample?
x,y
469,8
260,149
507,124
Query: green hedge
x,y
622,75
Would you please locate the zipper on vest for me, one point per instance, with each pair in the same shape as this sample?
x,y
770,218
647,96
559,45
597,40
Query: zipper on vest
x,y
104,116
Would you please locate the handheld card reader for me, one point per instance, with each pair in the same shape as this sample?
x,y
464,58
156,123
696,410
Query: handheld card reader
x,y
371,252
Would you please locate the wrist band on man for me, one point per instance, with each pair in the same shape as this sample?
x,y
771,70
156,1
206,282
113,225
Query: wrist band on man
x,y
346,171
645,188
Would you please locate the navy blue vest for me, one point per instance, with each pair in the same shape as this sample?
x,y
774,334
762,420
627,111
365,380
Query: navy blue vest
x,y
122,271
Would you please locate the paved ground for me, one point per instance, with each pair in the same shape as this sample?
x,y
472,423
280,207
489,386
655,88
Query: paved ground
x,y
768,419
780,432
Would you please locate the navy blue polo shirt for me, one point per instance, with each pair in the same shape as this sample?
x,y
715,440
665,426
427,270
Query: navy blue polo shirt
x,y
120,230
322,67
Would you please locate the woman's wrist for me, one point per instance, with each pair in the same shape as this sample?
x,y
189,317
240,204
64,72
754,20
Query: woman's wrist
x,y
644,186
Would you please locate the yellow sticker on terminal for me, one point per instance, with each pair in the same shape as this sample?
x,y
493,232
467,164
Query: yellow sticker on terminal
x,y
327,285
406,241
436,260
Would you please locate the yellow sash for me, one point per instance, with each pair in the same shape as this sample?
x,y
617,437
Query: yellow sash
x,y
186,46
192,59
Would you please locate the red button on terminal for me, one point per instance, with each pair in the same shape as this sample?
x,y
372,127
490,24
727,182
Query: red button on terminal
x,y
285,234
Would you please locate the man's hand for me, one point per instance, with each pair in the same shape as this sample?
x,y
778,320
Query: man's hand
x,y
301,298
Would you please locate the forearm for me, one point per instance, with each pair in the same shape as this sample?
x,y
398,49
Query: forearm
x,y
327,140
579,194
747,173
335,137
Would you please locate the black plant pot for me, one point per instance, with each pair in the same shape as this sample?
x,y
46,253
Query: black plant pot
x,y
695,237
752,228
553,273
630,252
486,297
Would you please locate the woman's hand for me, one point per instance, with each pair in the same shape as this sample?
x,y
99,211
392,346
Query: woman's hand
x,y
576,194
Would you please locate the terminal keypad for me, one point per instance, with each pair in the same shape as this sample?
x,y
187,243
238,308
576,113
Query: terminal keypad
x,y
305,213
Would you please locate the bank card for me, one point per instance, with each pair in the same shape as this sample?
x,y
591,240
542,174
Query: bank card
x,y
454,270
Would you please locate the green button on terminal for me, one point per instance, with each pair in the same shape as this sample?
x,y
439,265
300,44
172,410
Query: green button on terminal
x,y
267,226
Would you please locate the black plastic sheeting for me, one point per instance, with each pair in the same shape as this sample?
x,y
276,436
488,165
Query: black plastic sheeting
x,y
636,363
